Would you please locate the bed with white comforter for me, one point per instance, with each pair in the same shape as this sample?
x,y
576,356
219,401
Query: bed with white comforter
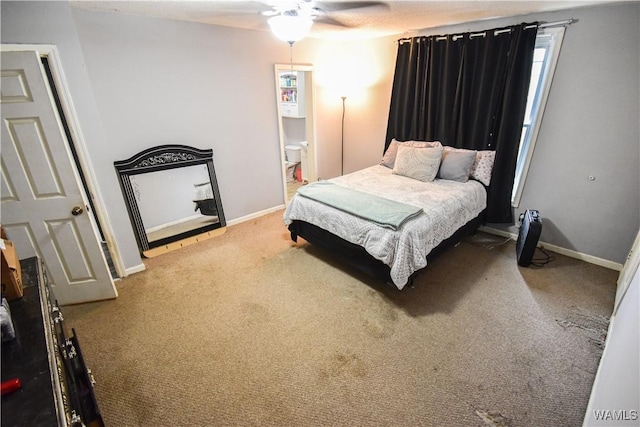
x,y
446,207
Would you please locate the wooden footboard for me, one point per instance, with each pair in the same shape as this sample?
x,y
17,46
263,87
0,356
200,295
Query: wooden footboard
x,y
357,257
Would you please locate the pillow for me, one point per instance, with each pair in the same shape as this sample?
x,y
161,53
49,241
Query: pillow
x,y
482,166
417,162
456,165
390,155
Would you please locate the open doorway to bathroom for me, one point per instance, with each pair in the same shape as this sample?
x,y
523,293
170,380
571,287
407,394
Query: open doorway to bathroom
x,y
296,124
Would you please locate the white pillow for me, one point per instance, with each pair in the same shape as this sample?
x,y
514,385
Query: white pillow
x,y
417,162
390,155
482,166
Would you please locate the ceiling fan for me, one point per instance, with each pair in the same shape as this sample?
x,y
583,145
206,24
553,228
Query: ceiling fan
x,y
320,11
291,20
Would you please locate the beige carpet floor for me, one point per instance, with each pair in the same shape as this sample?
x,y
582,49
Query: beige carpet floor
x,y
251,329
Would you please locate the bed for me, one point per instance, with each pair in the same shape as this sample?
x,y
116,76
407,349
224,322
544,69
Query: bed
x,y
447,210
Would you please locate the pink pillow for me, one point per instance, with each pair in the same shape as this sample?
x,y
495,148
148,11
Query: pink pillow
x,y
389,158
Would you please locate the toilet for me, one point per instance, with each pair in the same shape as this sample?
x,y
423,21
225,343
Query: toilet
x,y
293,153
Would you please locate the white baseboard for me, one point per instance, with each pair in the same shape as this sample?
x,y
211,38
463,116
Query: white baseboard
x,y
254,215
560,250
131,270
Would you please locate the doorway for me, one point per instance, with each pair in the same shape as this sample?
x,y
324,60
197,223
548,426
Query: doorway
x,y
44,60
296,125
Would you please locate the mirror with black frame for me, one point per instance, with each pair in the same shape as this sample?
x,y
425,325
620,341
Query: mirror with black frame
x,y
172,197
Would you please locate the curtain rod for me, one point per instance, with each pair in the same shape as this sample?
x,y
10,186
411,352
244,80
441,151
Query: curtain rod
x,y
482,33
554,24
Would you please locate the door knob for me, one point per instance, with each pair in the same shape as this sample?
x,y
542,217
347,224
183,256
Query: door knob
x,y
77,210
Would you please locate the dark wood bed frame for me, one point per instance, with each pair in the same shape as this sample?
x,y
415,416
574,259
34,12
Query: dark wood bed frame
x,y
357,257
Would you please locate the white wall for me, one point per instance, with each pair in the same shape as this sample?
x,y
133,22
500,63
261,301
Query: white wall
x,y
615,398
363,71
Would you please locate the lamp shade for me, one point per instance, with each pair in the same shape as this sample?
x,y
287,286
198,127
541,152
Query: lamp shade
x,y
290,28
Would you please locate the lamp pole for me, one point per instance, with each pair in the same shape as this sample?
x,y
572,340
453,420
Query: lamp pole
x,y
342,138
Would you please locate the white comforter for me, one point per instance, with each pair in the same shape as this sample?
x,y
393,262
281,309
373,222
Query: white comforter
x,y
447,206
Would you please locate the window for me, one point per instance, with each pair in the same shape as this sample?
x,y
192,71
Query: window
x,y
545,57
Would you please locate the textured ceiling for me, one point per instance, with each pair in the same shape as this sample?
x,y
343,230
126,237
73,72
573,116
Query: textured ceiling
x,y
381,19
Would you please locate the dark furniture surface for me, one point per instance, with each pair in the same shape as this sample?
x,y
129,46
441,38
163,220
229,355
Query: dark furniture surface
x,y
26,358
57,388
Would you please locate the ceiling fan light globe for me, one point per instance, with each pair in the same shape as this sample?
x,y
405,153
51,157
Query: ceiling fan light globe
x,y
290,28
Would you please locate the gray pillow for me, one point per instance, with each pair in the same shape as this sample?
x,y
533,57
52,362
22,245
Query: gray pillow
x,y
417,163
389,158
456,165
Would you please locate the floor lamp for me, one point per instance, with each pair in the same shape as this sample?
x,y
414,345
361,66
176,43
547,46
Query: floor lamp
x,y
342,138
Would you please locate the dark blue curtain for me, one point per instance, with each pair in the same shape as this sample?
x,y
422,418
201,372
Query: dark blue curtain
x,y
467,91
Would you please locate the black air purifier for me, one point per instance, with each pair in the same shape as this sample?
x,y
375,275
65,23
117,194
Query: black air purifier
x,y
530,229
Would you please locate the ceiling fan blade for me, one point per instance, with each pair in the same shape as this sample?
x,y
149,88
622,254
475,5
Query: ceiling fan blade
x,y
329,7
324,19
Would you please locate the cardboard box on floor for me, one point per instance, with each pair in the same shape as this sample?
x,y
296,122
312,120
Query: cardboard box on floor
x,y
10,266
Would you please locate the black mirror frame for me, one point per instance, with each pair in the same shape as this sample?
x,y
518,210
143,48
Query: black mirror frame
x,y
161,158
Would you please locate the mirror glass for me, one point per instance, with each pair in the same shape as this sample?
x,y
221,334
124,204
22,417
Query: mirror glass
x,y
189,207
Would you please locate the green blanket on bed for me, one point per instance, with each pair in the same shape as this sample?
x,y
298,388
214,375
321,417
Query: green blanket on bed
x,y
384,212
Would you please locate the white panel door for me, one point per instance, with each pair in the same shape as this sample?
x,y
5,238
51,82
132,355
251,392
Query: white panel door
x,y
42,205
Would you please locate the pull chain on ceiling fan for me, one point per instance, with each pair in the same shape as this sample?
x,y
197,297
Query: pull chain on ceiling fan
x,y
291,56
